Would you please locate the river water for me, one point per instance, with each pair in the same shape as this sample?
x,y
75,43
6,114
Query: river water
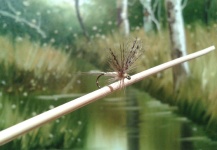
x,y
131,120
138,121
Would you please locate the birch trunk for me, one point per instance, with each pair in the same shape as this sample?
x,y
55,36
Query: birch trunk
x,y
122,20
177,38
149,19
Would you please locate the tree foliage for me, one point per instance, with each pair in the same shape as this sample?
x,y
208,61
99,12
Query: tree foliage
x,y
58,24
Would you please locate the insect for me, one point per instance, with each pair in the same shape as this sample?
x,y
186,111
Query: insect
x,y
122,61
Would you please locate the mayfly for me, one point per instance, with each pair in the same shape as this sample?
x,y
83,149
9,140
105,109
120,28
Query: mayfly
x,y
122,61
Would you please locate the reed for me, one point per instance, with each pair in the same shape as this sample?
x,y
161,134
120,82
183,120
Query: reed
x,y
29,66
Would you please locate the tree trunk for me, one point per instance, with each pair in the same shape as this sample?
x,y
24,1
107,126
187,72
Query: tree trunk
x,y
122,20
148,16
207,4
147,21
177,37
80,19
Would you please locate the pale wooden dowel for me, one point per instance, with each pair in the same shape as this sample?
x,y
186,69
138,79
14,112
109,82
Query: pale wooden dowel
x,y
39,120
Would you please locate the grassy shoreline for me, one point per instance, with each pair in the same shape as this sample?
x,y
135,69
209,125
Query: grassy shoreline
x,y
30,68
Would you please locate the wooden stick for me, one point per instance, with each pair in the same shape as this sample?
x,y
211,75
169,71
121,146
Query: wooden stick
x,y
39,120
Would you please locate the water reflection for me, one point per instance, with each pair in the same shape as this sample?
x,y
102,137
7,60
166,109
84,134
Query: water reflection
x,y
147,125
134,122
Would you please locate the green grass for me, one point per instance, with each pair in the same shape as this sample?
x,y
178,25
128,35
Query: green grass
x,y
30,67
63,132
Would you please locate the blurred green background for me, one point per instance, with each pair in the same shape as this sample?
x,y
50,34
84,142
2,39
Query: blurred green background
x,y
43,51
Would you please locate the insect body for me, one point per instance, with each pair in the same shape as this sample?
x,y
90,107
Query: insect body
x,y
122,62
